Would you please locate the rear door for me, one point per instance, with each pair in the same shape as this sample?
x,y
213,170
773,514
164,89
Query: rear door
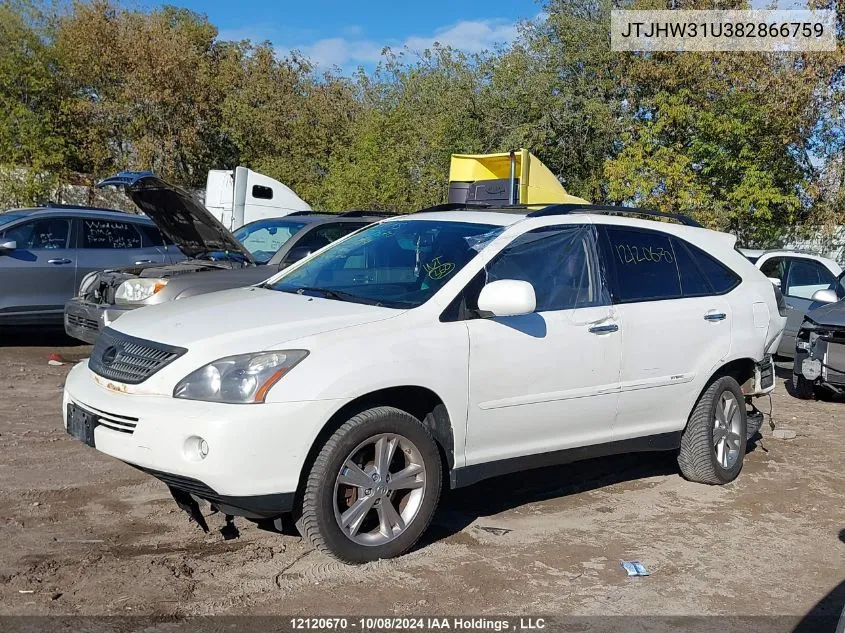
x,y
112,243
39,276
676,328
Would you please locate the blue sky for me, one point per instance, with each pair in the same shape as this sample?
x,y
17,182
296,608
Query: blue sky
x,y
348,34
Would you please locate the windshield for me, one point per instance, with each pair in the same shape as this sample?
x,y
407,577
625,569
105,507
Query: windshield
x,y
263,238
9,216
398,264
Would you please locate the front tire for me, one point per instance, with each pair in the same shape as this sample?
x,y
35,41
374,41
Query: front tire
x,y
373,488
713,444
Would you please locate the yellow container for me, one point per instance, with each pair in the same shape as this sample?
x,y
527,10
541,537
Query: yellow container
x,y
537,184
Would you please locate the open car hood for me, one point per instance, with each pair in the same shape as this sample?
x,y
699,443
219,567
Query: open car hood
x,y
180,217
830,315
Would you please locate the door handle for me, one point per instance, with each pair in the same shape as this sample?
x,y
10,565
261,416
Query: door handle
x,y
715,316
58,261
144,261
604,329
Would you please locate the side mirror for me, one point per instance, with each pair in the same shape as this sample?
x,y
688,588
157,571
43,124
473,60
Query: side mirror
x,y
507,297
8,247
775,281
300,252
825,295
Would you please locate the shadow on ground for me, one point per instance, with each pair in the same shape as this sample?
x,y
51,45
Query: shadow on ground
x,y
459,508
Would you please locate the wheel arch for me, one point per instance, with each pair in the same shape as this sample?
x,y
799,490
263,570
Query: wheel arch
x,y
740,369
415,400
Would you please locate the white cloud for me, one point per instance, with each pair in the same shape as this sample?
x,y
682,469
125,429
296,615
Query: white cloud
x,y
471,36
339,51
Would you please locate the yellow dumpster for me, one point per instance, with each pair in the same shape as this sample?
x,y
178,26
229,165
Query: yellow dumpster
x,y
488,177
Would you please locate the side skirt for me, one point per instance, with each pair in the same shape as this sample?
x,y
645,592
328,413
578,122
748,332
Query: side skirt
x,y
469,475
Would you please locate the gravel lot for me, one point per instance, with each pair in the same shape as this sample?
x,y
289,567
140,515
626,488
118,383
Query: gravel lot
x,y
85,534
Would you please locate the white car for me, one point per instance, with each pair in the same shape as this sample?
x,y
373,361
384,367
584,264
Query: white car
x,y
799,276
437,348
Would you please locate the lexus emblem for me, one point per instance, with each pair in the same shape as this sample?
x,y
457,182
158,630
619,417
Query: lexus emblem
x,y
109,355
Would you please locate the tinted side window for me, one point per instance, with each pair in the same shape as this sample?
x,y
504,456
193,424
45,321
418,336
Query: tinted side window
x,y
645,265
151,236
720,277
806,277
693,281
109,234
43,234
559,262
261,192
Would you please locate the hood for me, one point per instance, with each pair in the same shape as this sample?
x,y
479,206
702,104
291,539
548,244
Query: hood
x,y
832,314
176,213
244,319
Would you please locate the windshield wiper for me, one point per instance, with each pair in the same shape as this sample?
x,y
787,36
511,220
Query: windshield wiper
x,y
328,293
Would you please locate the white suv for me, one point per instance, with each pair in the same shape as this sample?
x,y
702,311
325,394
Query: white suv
x,y
437,348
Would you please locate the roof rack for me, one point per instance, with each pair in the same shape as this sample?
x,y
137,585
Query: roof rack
x,y
364,214
86,207
457,206
309,213
564,209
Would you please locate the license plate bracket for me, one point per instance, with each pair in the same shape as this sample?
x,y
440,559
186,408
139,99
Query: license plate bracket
x,y
81,424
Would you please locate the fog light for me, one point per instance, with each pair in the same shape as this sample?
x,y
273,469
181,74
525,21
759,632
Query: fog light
x,y
195,449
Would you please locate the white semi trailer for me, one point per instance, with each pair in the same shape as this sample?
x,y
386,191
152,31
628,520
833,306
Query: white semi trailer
x,y
239,196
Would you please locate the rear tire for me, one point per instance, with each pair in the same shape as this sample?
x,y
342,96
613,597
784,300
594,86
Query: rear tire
x,y
713,444
373,487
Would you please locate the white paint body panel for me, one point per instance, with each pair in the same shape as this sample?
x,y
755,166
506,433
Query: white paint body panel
x,y
512,386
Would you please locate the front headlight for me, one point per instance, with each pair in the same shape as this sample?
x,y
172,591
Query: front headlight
x,y
137,290
243,379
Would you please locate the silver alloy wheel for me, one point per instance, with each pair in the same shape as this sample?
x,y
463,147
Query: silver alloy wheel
x,y
727,423
379,489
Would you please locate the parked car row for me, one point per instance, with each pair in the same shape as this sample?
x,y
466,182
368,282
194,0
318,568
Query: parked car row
x,y
438,348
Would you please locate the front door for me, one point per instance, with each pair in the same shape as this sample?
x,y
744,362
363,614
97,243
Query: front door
x,y
549,380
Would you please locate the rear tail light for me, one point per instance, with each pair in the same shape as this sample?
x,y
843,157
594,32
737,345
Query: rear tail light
x,y
780,301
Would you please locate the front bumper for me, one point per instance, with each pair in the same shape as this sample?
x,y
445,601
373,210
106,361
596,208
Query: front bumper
x,y
255,453
820,357
85,320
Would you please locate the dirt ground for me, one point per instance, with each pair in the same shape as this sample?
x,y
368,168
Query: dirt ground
x,y
85,534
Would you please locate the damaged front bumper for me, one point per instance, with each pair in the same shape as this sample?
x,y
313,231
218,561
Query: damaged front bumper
x,y
820,356
84,320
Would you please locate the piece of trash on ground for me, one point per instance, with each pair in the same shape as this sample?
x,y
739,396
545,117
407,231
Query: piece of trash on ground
x,y
26,590
494,530
634,568
784,434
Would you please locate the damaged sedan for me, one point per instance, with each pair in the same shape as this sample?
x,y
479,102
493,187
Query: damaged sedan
x,y
819,368
253,253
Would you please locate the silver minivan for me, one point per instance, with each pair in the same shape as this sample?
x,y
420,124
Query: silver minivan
x,y
46,251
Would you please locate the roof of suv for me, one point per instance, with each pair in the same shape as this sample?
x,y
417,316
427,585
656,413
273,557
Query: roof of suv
x,y
73,211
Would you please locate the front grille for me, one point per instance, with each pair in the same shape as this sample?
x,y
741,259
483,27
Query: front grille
x,y
130,360
81,321
115,422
